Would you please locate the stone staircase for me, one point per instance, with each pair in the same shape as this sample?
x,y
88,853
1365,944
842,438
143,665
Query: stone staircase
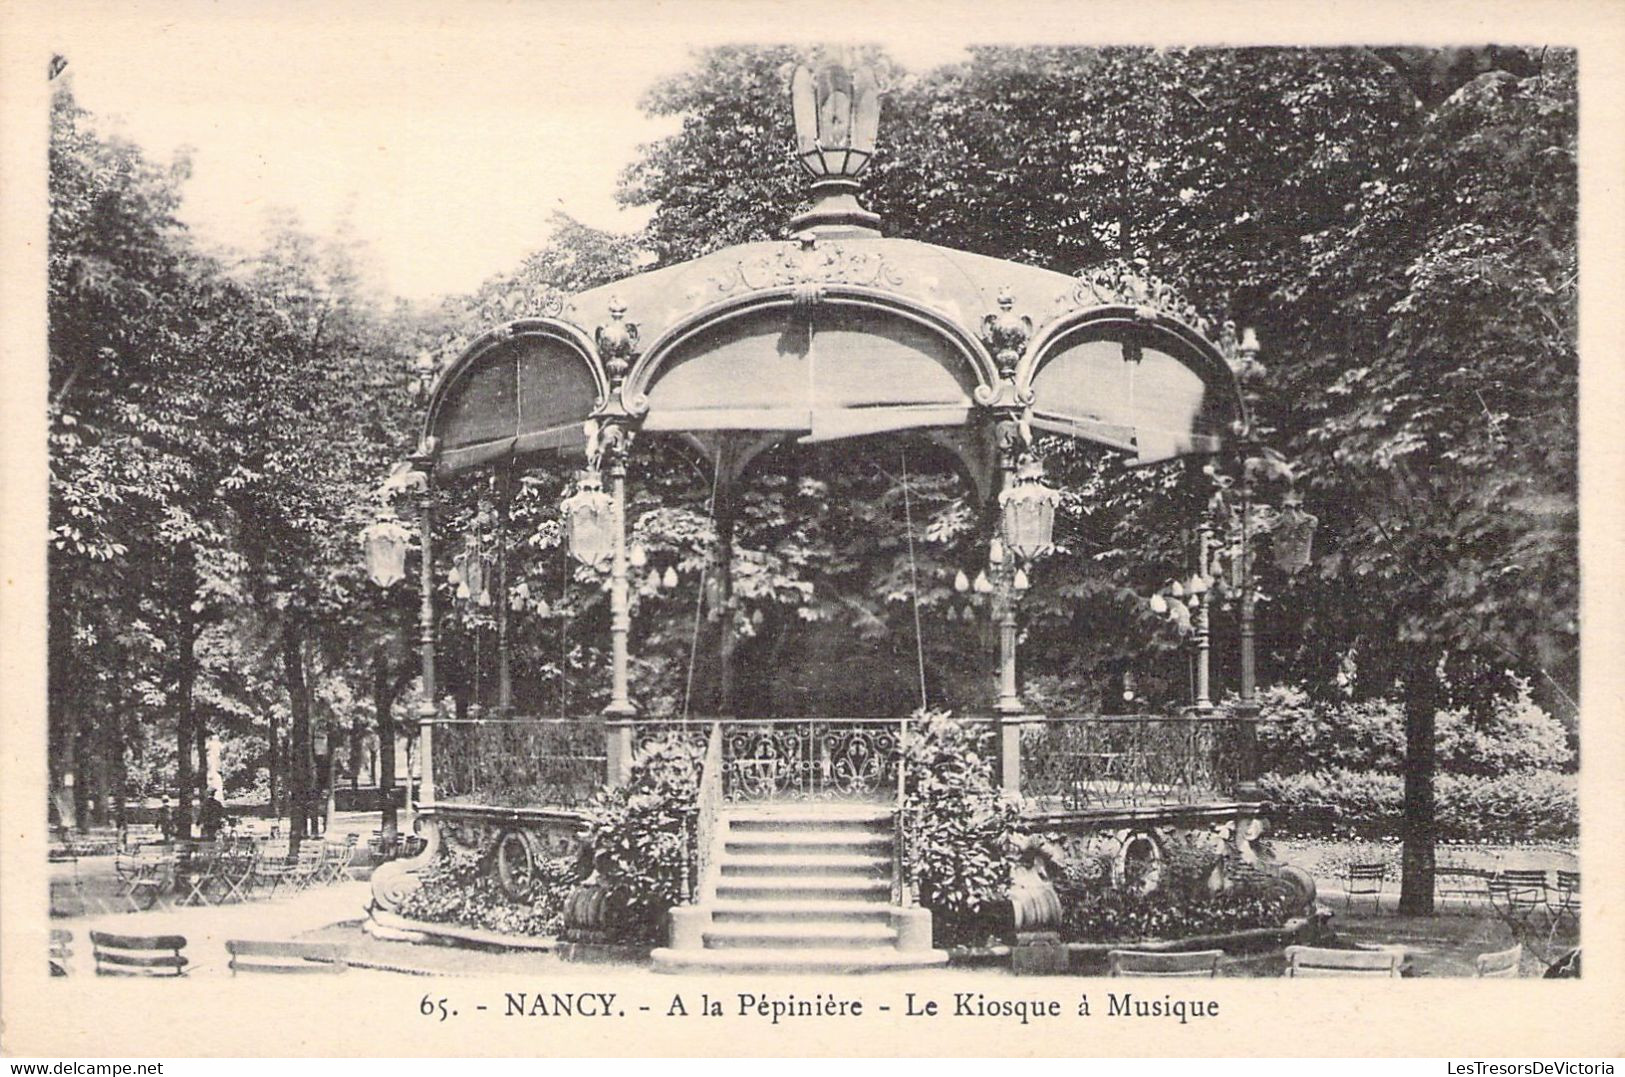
x,y
799,889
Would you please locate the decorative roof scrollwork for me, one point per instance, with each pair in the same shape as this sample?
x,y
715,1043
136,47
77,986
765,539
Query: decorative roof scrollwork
x,y
1122,283
799,263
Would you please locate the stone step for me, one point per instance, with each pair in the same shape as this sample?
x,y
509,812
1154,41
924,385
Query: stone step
x,y
798,887
800,936
767,911
866,822
799,960
809,842
841,865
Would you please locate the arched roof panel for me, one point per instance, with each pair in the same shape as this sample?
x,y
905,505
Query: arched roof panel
x,y
1146,385
527,387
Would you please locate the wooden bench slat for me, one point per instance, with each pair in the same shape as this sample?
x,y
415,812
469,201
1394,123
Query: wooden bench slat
x,y
138,942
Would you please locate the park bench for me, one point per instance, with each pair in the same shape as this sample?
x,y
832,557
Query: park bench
x,y
1194,964
138,955
286,958
1310,961
1499,965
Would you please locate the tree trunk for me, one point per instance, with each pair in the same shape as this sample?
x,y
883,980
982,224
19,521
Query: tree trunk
x,y
105,740
1421,764
185,680
200,739
270,766
299,785
383,709
354,761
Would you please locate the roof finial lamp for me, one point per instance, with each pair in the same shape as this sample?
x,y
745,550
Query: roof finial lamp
x,y
837,114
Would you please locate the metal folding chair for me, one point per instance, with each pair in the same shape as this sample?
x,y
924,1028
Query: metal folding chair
x,y
1459,881
198,871
145,876
1516,894
1567,892
1365,880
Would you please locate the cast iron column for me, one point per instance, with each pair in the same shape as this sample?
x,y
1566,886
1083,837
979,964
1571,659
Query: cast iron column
x,y
504,665
616,443
1009,445
427,705
1204,694
1248,661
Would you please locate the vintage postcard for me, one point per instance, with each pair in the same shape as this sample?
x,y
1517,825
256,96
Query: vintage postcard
x,y
727,529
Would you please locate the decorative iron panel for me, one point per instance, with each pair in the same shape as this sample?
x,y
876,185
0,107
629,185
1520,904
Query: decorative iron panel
x,y
811,759
1133,761
519,763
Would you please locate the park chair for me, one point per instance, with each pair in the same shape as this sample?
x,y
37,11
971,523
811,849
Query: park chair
x,y
273,870
1500,965
286,958
1194,964
1308,961
1460,881
1515,894
340,856
1567,894
1365,880
233,873
197,870
145,875
61,951
138,955
308,865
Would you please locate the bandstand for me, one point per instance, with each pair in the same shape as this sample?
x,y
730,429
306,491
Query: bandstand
x,y
837,333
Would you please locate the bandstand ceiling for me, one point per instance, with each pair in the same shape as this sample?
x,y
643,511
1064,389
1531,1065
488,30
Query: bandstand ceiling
x,y
827,338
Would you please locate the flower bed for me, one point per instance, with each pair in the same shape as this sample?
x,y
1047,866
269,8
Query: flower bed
x,y
462,888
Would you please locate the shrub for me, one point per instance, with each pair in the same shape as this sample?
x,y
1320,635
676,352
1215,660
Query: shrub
x,y
961,828
1297,734
1536,805
639,833
1517,735
462,888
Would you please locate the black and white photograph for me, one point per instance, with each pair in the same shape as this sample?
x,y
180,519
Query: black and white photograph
x,y
832,535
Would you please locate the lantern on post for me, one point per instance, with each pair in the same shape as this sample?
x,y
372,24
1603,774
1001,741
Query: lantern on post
x,y
1028,512
1294,535
837,116
384,543
589,521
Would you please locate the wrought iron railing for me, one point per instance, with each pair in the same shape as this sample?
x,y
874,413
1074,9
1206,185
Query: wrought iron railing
x,y
519,762
1100,761
707,805
647,731
810,759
